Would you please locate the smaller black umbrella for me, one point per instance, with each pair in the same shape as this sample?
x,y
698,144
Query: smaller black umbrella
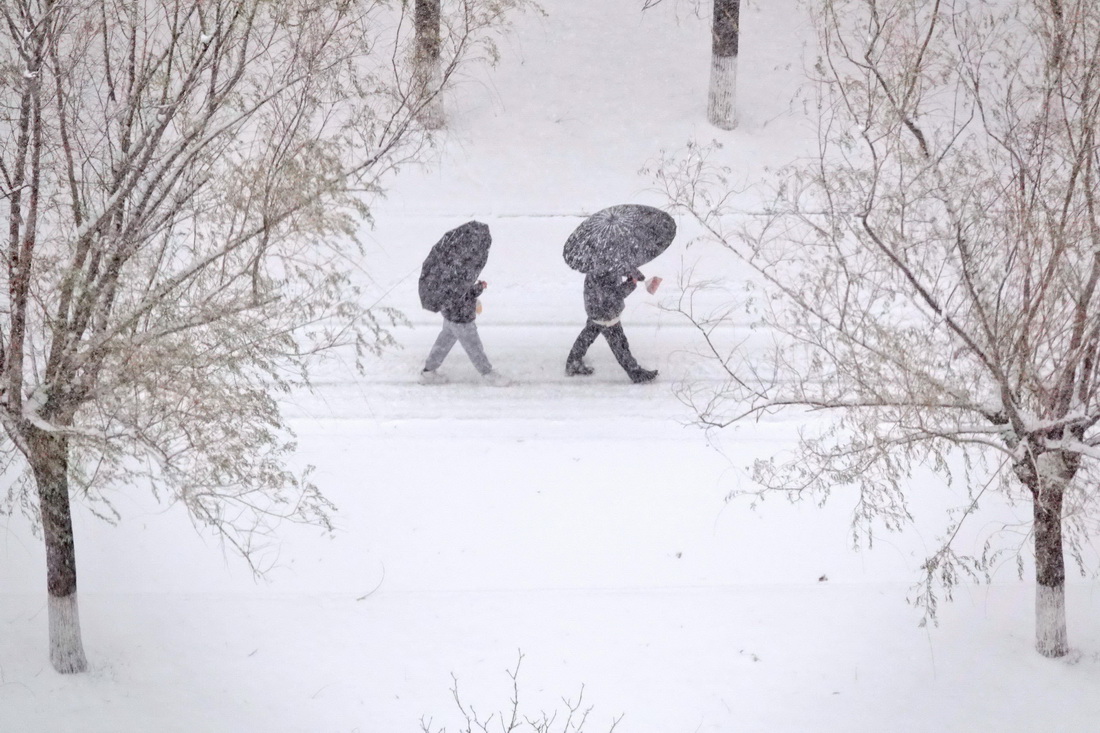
x,y
453,264
619,239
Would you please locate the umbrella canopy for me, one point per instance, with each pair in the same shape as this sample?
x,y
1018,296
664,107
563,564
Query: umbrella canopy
x,y
619,239
453,264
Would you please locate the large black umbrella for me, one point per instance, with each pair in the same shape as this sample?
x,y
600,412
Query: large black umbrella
x,y
619,239
453,264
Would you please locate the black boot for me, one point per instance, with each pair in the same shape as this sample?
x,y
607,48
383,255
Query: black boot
x,y
641,376
577,369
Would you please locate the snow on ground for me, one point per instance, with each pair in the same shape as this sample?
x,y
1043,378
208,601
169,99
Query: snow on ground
x,y
582,522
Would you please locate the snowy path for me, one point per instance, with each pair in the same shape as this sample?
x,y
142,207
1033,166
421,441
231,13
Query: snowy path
x,y
582,521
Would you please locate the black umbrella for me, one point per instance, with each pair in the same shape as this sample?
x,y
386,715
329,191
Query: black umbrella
x,y
453,264
619,239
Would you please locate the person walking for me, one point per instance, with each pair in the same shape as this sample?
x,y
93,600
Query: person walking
x,y
449,286
609,247
458,326
604,301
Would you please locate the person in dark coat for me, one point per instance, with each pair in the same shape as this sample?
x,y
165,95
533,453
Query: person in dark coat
x,y
459,313
604,302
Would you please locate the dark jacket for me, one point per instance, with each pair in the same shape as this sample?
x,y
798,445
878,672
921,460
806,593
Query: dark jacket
x,y
463,308
605,294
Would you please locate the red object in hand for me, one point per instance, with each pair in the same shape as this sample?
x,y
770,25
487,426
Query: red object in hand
x,y
653,284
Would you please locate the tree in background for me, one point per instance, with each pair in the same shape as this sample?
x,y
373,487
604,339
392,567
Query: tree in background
x,y
725,34
931,276
181,183
722,95
444,33
428,61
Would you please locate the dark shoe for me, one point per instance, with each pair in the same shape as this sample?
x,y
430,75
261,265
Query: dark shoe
x,y
643,375
578,369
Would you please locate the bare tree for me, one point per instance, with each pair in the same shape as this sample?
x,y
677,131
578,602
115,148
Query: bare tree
x,y
428,59
445,32
725,36
931,275
725,42
182,181
571,719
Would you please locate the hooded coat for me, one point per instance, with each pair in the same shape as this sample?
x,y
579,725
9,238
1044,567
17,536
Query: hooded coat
x,y
463,307
605,294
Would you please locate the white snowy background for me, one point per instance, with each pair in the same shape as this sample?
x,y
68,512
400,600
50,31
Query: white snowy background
x,y
582,522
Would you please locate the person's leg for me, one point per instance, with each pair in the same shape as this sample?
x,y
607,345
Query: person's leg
x,y
620,347
443,344
574,363
471,342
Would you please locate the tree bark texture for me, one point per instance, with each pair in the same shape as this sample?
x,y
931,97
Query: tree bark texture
x,y
50,465
1051,637
725,32
429,74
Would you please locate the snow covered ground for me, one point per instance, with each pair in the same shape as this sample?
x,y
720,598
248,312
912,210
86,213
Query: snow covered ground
x,y
582,522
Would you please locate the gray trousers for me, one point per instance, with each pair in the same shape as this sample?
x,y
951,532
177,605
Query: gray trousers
x,y
465,334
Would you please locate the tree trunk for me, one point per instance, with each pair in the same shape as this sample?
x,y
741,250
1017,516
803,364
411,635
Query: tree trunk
x,y
1051,638
722,99
49,461
429,74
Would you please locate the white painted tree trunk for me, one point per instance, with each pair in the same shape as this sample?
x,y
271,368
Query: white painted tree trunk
x,y
429,63
1054,475
66,647
1051,638
49,458
722,98
433,116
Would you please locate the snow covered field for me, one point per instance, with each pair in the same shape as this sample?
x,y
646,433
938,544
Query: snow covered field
x,y
582,522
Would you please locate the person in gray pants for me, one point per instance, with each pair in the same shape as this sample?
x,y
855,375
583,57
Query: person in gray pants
x,y
459,314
